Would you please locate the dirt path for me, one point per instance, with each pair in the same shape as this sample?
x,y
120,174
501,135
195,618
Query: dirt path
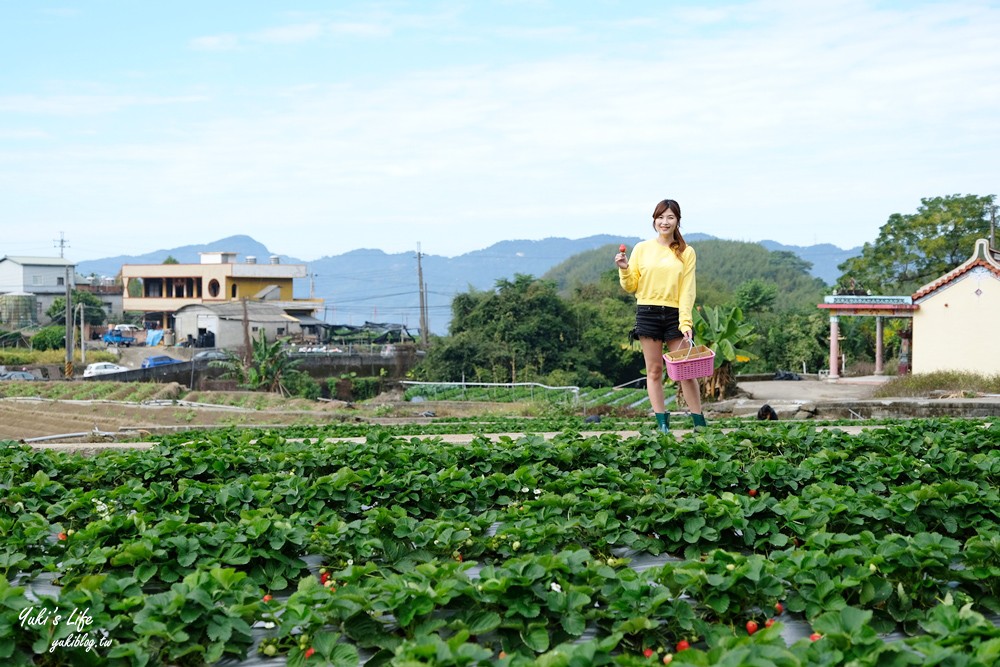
x,y
33,418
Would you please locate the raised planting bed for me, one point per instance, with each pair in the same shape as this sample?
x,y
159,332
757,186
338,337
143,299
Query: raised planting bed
x,y
771,544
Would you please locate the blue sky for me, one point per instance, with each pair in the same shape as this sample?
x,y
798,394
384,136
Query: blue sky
x,y
323,127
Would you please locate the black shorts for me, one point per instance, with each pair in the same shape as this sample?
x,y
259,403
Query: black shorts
x,y
657,322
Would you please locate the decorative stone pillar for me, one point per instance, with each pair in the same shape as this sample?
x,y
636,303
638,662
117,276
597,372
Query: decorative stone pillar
x,y
834,347
878,346
905,336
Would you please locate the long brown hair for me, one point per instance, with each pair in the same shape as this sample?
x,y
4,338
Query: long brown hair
x,y
679,245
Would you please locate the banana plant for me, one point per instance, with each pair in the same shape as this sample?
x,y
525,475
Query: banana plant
x,y
724,331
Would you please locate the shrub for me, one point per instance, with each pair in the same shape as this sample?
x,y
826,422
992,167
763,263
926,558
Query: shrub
x,y
365,388
352,388
921,384
301,384
49,338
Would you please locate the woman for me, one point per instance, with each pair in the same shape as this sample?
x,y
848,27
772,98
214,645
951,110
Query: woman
x,y
660,273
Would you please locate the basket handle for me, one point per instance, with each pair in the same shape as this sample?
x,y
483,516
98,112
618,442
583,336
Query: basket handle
x,y
690,343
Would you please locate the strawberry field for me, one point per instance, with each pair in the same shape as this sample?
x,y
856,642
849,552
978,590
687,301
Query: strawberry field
x,y
768,544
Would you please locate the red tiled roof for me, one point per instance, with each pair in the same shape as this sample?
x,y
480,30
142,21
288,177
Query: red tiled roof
x,y
956,273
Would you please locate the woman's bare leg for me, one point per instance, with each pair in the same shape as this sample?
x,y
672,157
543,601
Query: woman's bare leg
x,y
652,353
691,389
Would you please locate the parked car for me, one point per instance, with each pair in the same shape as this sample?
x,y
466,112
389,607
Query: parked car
x,y
159,360
102,368
210,355
17,375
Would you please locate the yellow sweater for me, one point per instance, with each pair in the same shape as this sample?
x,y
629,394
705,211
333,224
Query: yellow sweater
x,y
658,278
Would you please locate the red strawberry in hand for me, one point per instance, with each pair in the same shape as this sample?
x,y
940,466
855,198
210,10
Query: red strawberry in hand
x,y
621,248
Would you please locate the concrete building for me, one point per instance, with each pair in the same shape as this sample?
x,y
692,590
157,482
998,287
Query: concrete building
x,y
160,290
222,324
956,326
42,277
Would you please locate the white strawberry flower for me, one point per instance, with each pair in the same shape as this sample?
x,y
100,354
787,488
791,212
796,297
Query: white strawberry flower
x,y
556,587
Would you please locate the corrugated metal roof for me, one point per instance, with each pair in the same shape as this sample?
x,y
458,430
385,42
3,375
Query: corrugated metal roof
x,y
25,260
256,311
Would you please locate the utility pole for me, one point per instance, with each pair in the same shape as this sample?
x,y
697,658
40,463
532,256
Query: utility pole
x,y
61,244
993,227
423,299
68,368
247,349
83,337
69,327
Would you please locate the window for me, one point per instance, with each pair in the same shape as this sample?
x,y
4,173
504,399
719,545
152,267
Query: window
x,y
233,292
281,331
60,281
213,288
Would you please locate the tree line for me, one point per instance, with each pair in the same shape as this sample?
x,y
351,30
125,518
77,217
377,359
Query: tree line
x,y
571,325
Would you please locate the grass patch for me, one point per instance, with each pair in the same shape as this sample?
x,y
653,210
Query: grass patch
x,y
953,382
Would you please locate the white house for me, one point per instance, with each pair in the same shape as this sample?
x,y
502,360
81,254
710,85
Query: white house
x,y
43,277
955,326
222,324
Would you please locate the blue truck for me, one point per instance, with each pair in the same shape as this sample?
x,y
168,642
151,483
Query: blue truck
x,y
116,337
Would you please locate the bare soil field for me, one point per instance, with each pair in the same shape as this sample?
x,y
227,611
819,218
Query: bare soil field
x,y
24,419
29,418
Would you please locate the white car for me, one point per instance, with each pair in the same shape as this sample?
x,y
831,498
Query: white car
x,y
103,368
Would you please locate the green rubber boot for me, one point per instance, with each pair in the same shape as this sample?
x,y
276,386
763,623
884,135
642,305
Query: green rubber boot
x,y
663,421
699,420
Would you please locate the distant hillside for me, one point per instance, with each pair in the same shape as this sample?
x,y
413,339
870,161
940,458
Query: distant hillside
x,y
722,267
824,257
244,246
371,285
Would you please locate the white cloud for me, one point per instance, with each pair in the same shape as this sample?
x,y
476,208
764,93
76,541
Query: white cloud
x,y
794,125
78,105
215,43
290,34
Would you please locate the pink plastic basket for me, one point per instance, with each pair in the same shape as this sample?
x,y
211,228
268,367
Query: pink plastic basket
x,y
697,361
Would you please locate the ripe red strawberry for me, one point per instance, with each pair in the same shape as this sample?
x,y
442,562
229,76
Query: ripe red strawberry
x,y
648,652
62,536
769,622
815,636
309,652
621,248
751,627
779,608
752,493
683,645
324,577
267,598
